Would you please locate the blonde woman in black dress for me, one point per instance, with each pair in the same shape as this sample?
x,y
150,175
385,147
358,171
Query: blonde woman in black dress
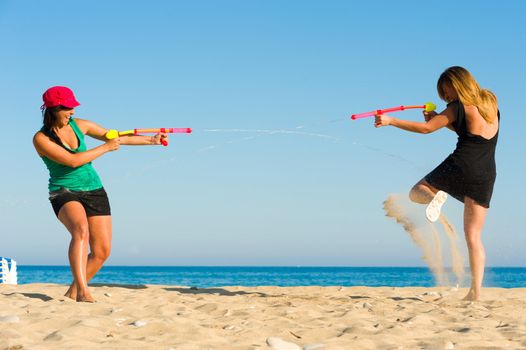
x,y
468,174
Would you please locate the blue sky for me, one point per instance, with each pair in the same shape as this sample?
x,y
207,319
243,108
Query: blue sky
x,y
275,173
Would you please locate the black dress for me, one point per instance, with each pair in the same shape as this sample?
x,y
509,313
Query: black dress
x,y
470,170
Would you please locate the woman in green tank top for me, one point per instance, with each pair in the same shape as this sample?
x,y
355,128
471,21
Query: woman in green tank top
x,y
76,192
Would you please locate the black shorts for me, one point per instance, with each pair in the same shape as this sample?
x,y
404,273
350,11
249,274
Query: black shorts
x,y
94,202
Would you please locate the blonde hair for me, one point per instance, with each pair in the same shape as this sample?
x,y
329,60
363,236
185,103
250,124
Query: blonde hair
x,y
469,91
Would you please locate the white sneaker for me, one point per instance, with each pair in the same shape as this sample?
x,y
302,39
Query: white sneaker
x,y
433,208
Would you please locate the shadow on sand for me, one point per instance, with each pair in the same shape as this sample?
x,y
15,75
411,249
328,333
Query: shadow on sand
x,y
40,296
219,291
112,285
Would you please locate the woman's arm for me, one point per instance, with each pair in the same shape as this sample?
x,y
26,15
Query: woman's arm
x,y
433,122
45,147
143,140
98,132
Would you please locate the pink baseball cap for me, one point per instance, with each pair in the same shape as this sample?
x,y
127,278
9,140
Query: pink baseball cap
x,y
59,96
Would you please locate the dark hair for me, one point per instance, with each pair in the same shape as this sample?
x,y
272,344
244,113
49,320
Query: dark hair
x,y
50,117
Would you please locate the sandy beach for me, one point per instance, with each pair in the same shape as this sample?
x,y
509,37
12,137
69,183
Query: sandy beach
x,y
37,316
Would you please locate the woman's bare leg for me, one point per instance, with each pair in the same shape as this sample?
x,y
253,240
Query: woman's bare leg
x,y
474,217
100,228
73,216
422,192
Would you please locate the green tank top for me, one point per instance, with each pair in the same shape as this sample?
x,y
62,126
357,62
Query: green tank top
x,y
82,178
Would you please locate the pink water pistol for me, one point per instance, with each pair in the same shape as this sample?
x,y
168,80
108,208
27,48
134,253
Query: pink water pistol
x,y
428,107
111,134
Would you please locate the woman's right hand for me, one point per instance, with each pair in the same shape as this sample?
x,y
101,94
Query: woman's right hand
x,y
113,144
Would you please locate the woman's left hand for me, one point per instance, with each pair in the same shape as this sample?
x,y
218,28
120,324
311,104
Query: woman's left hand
x,y
382,120
429,115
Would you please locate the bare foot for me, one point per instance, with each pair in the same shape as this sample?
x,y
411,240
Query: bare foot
x,y
472,296
85,298
72,292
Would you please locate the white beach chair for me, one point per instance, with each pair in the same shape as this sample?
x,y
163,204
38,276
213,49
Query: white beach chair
x,y
8,271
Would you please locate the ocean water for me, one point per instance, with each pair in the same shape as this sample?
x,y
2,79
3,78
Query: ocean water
x,y
214,276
